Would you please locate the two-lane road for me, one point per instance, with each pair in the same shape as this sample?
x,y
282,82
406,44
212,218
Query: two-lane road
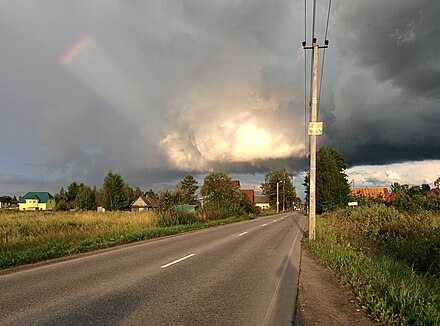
x,y
238,274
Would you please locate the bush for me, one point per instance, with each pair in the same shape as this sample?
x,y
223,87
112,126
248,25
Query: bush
x,y
211,215
380,273
413,240
410,238
165,219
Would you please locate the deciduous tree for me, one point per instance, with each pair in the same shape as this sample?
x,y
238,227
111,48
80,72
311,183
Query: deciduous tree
x,y
286,190
167,200
219,194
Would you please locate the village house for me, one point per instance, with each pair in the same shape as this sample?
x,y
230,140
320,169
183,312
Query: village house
x,y
262,202
435,192
36,201
250,195
372,193
143,203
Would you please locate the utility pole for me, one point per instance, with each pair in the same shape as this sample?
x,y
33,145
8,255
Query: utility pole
x,y
278,202
284,189
313,117
314,129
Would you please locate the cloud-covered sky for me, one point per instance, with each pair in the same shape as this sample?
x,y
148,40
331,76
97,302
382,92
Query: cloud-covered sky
x,y
155,90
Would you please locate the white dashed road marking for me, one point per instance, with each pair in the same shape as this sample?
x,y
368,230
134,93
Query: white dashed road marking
x,y
177,261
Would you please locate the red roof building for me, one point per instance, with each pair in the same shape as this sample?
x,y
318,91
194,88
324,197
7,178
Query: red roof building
x,y
435,192
236,183
250,194
373,193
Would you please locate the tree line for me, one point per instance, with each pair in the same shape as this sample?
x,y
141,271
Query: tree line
x,y
116,194
415,198
218,194
278,183
8,200
333,189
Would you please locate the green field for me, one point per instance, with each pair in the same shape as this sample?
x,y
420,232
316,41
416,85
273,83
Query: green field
x,y
28,237
391,260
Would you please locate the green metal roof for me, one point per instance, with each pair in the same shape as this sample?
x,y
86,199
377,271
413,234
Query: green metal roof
x,y
185,208
42,197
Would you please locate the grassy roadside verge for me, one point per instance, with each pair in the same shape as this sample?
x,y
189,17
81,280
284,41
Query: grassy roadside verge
x,y
33,237
389,259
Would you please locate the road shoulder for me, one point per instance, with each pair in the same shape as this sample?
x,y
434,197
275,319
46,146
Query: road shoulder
x,y
322,300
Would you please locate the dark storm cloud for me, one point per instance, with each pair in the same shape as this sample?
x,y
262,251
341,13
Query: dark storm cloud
x,y
384,105
159,89
397,40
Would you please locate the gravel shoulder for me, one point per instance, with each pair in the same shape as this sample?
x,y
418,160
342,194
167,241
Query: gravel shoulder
x,y
322,300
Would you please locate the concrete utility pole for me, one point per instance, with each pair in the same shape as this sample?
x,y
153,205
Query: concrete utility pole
x,y
284,189
278,201
315,128
313,117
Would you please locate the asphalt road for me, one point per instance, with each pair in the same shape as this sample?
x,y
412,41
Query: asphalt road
x,y
238,274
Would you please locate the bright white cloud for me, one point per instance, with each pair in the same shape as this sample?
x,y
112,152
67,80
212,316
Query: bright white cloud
x,y
411,173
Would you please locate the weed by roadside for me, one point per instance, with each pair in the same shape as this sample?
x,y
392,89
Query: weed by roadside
x,y
389,258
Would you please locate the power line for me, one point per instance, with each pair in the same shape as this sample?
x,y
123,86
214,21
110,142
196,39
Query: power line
x,y
314,19
323,54
328,18
305,20
305,87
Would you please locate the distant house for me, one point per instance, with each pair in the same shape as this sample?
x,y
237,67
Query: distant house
x,y
435,192
143,203
250,194
372,193
236,183
36,201
262,202
13,206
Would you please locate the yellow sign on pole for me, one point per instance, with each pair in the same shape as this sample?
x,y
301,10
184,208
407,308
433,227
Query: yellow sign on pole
x,y
315,128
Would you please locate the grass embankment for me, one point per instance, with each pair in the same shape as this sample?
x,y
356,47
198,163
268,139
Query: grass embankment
x,y
28,237
391,259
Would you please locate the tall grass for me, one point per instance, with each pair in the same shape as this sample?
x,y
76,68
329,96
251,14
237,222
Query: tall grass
x,y
389,258
27,237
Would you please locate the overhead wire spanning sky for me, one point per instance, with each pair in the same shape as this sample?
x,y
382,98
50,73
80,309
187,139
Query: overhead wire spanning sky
x,y
160,89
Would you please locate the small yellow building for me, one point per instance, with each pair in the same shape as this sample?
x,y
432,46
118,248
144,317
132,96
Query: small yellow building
x,y
262,202
36,201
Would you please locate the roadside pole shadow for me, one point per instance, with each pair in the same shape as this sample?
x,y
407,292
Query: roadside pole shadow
x,y
301,228
285,310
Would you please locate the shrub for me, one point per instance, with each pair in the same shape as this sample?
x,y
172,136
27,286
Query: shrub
x,y
165,219
211,215
391,292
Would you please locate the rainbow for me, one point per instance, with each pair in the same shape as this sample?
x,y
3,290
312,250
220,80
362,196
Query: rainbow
x,y
75,49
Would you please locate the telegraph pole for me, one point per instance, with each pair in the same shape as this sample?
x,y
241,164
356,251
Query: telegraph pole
x,y
284,189
313,117
314,129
